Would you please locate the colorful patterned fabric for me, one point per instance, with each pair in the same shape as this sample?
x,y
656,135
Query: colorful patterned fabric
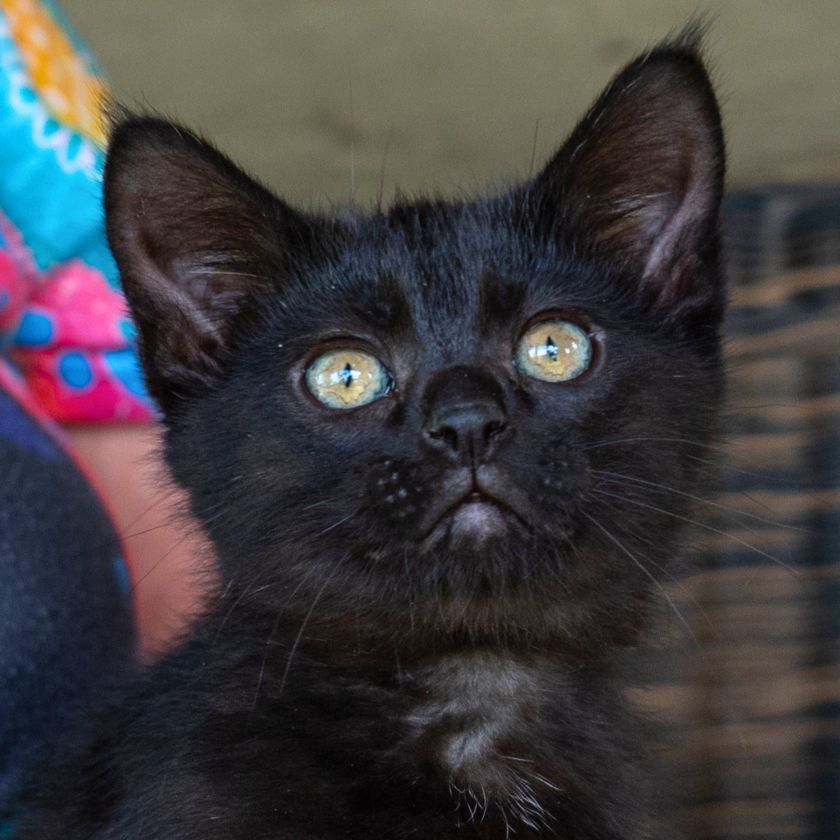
x,y
65,353
63,321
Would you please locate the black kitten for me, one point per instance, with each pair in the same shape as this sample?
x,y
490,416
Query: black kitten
x,y
401,431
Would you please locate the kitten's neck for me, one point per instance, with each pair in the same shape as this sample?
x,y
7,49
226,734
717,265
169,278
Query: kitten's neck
x,y
511,738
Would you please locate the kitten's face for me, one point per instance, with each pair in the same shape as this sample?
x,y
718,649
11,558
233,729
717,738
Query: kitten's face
x,y
425,415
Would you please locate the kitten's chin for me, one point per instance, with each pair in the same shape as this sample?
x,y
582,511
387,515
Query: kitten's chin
x,y
473,524
478,522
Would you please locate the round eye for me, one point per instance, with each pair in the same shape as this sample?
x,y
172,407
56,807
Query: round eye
x,y
348,378
554,351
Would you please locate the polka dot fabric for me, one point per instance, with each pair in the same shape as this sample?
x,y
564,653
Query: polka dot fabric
x,y
73,347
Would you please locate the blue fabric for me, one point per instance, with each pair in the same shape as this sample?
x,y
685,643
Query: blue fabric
x,y
65,601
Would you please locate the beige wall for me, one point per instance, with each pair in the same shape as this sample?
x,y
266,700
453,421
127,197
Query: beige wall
x,y
454,88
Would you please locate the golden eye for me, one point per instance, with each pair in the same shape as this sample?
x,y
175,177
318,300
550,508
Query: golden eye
x,y
348,379
554,351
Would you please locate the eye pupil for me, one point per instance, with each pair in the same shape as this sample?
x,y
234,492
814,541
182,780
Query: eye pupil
x,y
551,349
348,375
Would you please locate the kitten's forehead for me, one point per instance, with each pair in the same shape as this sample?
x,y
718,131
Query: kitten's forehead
x,y
448,270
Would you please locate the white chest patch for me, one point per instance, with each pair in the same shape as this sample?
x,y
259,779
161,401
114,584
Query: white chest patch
x,y
471,709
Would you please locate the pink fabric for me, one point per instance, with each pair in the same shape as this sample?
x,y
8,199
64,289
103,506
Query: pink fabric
x,y
87,311
68,333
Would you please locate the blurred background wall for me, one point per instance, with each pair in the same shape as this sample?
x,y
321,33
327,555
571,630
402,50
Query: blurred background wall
x,y
313,95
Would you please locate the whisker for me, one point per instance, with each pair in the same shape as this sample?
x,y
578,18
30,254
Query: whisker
x,y
265,657
647,572
726,508
691,521
671,579
157,563
381,189
296,644
650,438
534,149
336,524
715,466
320,503
248,590
222,270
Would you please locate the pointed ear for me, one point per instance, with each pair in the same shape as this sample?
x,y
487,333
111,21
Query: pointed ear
x,y
640,181
196,241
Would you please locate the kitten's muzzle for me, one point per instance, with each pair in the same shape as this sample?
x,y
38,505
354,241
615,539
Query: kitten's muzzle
x,y
475,504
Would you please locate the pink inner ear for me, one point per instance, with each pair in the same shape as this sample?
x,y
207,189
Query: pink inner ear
x,y
640,180
173,286
677,227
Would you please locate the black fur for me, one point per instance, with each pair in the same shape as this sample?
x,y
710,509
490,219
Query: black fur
x,y
365,671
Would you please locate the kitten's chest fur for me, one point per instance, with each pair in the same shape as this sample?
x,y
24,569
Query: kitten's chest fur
x,y
518,746
479,723
465,707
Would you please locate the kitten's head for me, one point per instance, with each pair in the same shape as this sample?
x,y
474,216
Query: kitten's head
x,y
452,416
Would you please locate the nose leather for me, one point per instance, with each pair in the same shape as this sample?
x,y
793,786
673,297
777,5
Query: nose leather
x,y
465,415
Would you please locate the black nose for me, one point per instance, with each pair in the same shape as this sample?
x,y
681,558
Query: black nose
x,y
465,416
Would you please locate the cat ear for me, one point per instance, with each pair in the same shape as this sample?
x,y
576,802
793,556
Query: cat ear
x,y
639,183
196,241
